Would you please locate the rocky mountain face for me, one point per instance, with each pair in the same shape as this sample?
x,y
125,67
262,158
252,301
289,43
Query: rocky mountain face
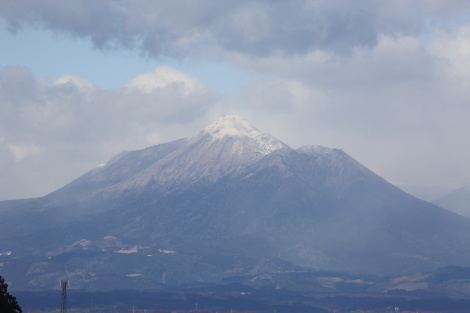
x,y
230,201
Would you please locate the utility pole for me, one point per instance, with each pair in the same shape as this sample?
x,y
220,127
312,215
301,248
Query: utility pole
x,y
64,283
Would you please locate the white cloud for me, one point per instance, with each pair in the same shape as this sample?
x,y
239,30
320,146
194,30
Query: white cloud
x,y
73,79
22,151
164,76
54,131
453,51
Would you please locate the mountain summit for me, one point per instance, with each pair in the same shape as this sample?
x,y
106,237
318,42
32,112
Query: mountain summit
x,y
234,126
229,201
223,148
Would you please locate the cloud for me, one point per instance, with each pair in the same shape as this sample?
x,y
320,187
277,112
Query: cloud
x,y
74,80
163,77
257,28
400,107
57,130
22,151
453,49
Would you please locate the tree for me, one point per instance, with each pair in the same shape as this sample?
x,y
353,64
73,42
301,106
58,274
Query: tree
x,y
8,303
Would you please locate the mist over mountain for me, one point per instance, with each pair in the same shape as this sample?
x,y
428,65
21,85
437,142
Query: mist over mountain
x,y
457,201
230,201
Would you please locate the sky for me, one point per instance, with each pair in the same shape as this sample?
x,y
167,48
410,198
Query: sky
x,y
386,81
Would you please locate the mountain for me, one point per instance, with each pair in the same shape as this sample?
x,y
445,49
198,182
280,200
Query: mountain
x,y
230,201
457,201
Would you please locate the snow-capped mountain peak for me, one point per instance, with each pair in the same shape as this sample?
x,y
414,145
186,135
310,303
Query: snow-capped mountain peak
x,y
235,126
231,125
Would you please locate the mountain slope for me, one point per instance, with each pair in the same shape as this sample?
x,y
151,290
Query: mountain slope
x,y
229,201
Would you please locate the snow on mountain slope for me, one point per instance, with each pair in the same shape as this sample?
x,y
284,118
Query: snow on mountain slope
x,y
223,148
234,126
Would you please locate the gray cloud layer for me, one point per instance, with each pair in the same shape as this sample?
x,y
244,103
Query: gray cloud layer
x,y
387,81
257,28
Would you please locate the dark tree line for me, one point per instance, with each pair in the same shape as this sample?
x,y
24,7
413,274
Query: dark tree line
x,y
8,303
